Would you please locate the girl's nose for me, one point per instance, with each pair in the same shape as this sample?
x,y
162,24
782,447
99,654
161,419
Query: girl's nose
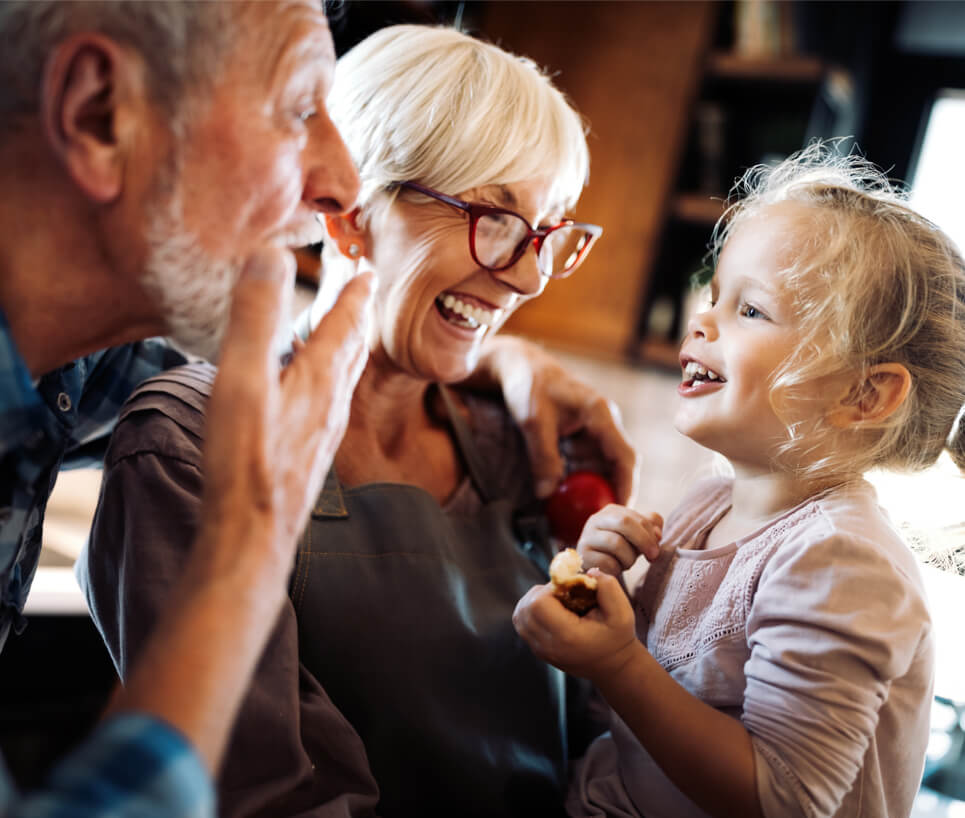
x,y
702,325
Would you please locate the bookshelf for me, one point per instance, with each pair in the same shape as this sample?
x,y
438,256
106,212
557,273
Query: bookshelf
x,y
756,103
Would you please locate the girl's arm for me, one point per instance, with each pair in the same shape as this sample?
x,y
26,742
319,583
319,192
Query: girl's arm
x,y
707,754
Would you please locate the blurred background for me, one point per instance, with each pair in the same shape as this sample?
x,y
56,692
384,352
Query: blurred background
x,y
679,98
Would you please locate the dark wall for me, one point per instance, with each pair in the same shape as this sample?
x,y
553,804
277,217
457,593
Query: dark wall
x,y
900,55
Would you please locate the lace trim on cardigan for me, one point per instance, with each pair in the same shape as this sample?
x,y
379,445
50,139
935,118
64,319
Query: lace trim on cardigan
x,y
699,602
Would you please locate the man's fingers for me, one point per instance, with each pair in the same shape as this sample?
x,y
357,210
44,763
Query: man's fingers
x,y
256,309
334,343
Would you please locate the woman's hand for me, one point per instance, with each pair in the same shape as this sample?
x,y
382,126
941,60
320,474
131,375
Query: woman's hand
x,y
616,536
549,404
596,646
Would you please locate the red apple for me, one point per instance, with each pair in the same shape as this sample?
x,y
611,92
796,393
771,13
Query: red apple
x,y
580,495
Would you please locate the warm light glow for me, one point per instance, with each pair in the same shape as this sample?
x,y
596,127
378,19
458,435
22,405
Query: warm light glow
x,y
940,174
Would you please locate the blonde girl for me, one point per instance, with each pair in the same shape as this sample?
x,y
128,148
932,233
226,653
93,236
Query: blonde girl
x,y
777,657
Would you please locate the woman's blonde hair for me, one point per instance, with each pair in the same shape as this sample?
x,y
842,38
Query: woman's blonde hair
x,y
434,105
873,282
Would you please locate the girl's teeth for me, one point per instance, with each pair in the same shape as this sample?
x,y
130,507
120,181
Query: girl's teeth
x,y
696,370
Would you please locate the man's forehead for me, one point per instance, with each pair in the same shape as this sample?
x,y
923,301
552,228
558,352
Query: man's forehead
x,y
299,25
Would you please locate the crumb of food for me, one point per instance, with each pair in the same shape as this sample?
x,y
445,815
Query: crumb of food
x,y
571,586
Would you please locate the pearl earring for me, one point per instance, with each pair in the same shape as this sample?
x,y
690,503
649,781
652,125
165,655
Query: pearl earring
x,y
354,250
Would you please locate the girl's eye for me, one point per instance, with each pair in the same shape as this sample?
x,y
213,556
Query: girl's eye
x,y
749,311
307,113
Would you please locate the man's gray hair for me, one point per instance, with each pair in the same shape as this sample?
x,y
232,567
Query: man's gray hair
x,y
182,44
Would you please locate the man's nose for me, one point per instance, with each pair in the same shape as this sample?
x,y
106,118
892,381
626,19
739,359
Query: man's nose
x,y
332,181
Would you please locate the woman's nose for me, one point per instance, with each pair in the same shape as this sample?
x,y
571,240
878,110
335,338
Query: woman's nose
x,y
331,180
524,276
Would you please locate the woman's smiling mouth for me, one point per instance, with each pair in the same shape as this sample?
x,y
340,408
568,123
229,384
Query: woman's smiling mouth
x,y
463,314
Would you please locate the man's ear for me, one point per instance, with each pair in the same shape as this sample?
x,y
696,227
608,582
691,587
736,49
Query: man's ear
x,y
78,106
345,231
878,395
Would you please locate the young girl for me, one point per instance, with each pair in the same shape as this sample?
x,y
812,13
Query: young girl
x,y
782,656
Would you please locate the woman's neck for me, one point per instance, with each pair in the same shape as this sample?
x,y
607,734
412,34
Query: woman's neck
x,y
392,435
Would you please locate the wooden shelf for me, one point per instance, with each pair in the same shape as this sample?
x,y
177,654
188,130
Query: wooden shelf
x,y
796,69
698,208
308,265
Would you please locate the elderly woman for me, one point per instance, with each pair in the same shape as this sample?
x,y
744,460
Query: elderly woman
x,y
428,529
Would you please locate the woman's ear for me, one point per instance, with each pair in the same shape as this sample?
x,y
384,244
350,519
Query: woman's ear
x,y
880,392
345,231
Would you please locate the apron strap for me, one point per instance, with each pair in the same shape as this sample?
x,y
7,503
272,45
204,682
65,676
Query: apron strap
x,y
467,446
529,521
330,502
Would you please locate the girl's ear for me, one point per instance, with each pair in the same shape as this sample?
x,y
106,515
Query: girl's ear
x,y
881,391
346,233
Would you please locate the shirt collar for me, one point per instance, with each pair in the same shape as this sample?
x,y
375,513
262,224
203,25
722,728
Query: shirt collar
x,y
21,406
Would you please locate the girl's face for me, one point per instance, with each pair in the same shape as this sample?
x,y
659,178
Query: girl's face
x,y
435,304
734,347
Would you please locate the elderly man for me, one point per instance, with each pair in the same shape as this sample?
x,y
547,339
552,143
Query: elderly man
x,y
158,160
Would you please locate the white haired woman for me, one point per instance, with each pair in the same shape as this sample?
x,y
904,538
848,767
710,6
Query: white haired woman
x,y
428,530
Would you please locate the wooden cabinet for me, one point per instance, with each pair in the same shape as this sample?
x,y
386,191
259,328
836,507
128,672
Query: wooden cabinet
x,y
632,70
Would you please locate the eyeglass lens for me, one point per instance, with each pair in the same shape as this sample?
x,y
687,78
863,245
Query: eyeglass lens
x,y
499,235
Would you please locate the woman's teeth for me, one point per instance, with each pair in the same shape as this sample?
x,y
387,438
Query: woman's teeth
x,y
695,371
463,314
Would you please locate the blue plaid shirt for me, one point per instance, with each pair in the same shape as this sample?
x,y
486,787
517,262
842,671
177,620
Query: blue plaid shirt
x,y
131,766
63,421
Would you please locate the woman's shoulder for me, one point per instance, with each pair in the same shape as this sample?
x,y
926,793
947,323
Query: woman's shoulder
x,y
165,415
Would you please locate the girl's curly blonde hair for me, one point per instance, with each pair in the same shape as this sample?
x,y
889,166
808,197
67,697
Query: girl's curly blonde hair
x,y
873,282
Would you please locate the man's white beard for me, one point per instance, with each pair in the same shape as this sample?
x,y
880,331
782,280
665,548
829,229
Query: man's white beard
x,y
194,291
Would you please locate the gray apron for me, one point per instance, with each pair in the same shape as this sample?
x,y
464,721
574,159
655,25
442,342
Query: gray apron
x,y
404,617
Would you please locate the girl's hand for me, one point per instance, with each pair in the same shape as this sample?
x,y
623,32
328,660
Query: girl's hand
x,y
595,646
616,536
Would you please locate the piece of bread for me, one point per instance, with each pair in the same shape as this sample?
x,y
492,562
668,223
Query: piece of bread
x,y
571,586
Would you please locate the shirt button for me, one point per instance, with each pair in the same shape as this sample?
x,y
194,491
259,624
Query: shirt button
x,y
63,402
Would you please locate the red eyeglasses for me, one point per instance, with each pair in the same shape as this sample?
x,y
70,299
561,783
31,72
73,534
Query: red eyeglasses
x,y
498,237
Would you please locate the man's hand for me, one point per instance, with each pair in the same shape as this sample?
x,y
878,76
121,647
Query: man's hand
x,y
550,405
616,536
270,439
596,646
271,435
